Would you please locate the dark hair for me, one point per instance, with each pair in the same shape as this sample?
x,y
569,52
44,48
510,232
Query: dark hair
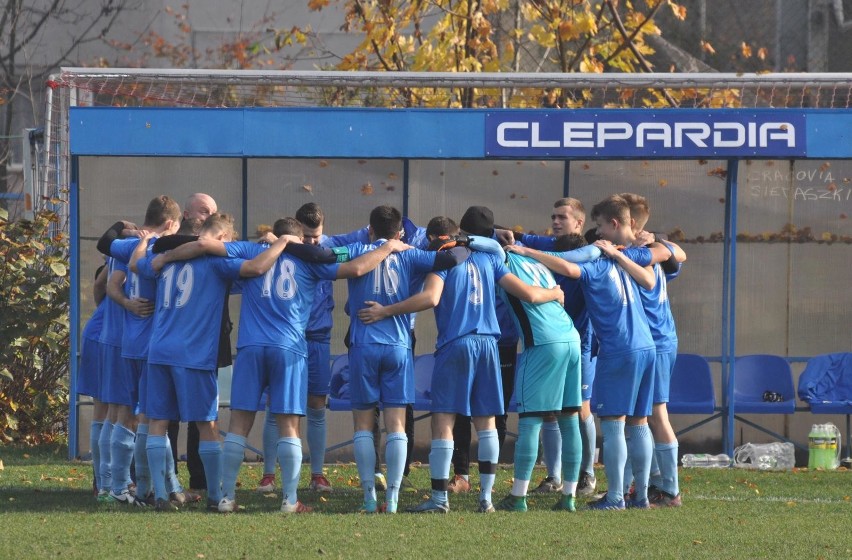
x,y
310,215
441,225
287,226
190,226
591,235
612,208
569,242
161,209
386,221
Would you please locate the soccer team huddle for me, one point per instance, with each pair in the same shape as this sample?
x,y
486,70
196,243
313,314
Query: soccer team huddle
x,y
590,312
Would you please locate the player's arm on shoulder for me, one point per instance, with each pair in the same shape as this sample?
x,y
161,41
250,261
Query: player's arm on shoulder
x,y
264,261
139,252
581,254
370,260
450,258
486,245
425,299
170,242
643,275
551,260
530,294
118,230
311,253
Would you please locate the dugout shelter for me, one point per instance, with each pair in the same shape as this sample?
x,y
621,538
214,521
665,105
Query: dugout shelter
x,y
751,174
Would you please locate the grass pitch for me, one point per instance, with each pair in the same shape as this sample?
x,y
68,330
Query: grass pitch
x,y
47,510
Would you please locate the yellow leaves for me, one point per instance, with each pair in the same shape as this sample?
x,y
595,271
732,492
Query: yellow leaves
x,y
678,10
591,65
542,36
568,31
762,53
707,47
367,189
745,50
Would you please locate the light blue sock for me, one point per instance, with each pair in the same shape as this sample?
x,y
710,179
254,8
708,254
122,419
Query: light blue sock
x,y
656,478
270,443
572,448
211,458
440,458
106,462
641,448
157,449
316,438
396,447
526,448
667,456
172,482
140,457
233,453
122,445
95,446
290,459
365,460
615,456
489,451
589,433
551,440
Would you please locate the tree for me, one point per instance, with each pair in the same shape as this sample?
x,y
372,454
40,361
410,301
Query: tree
x,y
505,36
24,29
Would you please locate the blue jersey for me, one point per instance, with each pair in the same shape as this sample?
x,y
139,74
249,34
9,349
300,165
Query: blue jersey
x,y
542,323
615,309
137,330
190,297
540,242
467,302
575,306
388,283
92,330
320,322
113,324
276,306
656,302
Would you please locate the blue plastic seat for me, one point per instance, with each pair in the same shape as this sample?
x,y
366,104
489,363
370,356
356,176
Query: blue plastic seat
x,y
691,390
756,374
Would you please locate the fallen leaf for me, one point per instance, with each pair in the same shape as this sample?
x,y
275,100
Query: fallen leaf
x,y
586,166
323,163
663,183
308,188
367,189
513,196
392,175
824,167
697,542
495,172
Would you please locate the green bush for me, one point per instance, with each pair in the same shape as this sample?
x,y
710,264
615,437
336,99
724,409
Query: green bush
x,y
34,333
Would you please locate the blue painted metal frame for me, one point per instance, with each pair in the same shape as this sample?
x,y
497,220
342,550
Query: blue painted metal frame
x,y
417,134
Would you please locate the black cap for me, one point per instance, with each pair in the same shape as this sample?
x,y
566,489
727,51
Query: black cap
x,y
478,220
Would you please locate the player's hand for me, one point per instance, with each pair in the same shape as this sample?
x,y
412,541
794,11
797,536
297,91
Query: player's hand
x,y
560,295
374,312
517,249
140,307
397,246
504,236
644,238
606,247
267,237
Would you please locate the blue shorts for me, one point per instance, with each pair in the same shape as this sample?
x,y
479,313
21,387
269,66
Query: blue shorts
x,y
120,384
663,367
548,378
319,367
466,378
380,373
624,385
139,369
285,373
587,375
179,393
89,368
